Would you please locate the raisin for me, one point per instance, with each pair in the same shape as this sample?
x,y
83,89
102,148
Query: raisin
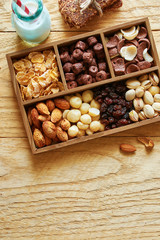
x,y
108,101
111,120
117,107
103,107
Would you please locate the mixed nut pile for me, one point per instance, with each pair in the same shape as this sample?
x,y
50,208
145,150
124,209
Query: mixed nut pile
x,y
84,62
38,74
145,94
129,49
65,118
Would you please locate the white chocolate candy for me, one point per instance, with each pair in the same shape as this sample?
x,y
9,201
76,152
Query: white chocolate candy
x,y
79,95
95,126
81,133
75,102
84,108
129,52
95,104
65,113
130,33
89,132
96,118
146,56
82,126
87,96
120,35
73,131
86,119
102,127
74,115
94,112
68,97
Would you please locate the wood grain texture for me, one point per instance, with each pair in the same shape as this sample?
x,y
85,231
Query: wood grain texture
x,y
86,191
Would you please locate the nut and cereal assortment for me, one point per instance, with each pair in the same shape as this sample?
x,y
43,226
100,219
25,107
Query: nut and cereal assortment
x,y
38,74
91,110
84,62
129,50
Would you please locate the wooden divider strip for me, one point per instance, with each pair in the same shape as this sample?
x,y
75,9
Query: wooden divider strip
x,y
107,56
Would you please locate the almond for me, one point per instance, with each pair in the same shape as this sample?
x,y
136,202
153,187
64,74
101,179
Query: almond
x,y
38,138
34,117
149,144
49,129
56,140
127,148
56,115
29,116
42,108
50,104
62,103
65,124
43,118
48,141
62,135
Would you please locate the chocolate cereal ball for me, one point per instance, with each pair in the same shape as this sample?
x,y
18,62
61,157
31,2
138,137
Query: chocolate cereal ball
x,y
92,40
79,79
98,48
102,66
67,67
70,76
87,57
77,68
71,84
93,70
91,51
81,45
72,59
77,54
87,79
101,56
93,63
65,57
102,75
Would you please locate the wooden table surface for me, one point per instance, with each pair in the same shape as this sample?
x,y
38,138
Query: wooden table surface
x,y
86,191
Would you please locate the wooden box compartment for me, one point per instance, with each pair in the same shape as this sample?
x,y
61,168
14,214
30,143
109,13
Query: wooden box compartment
x,y
149,36
70,43
23,105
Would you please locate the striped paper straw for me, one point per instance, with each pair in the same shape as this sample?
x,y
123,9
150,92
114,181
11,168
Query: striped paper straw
x,y
22,6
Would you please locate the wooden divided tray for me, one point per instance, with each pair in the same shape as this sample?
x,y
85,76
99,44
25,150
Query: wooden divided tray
x,y
23,105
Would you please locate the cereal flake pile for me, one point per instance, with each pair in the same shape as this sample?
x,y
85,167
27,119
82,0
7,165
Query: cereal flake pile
x,y
38,75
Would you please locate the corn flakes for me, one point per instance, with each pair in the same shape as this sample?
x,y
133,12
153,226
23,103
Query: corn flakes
x,y
38,75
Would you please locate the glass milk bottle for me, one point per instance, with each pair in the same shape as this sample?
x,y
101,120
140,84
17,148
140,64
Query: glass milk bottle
x,y
35,27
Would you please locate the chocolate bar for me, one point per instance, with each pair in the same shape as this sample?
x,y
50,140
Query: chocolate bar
x,y
70,11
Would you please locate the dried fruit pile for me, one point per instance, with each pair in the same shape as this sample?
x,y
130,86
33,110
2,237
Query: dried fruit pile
x,y
114,108
84,62
129,49
145,95
38,74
